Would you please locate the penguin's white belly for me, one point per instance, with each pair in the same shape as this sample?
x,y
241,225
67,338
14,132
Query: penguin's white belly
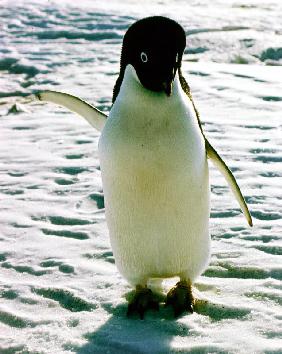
x,y
157,201
156,187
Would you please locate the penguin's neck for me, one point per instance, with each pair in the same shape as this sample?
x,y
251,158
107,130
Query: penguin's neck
x,y
132,92
139,109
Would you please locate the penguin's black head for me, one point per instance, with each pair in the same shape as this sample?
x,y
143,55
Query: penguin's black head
x,y
154,47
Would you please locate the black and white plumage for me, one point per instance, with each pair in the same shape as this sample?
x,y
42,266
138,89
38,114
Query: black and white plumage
x,y
153,156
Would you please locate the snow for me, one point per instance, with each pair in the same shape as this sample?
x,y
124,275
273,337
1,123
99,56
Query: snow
x,y
60,289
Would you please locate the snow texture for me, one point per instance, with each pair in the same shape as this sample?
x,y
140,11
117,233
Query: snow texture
x,y
60,290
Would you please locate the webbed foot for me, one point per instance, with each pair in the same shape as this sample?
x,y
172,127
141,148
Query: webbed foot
x,y
180,297
143,300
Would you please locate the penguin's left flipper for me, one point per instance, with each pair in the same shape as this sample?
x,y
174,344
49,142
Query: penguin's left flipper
x,y
220,164
93,116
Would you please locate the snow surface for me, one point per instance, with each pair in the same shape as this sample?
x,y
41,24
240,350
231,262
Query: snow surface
x,y
60,290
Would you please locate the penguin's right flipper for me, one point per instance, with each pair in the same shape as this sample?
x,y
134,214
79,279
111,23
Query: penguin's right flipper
x,y
221,165
93,116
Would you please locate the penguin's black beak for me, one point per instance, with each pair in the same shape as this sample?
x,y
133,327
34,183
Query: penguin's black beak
x,y
158,79
167,84
167,87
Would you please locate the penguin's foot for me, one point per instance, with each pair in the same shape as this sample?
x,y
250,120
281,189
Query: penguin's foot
x,y
180,297
143,300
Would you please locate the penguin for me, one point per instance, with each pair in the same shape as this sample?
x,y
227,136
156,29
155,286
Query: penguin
x,y
153,157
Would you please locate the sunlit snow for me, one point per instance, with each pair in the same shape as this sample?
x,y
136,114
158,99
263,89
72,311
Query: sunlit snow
x,y
60,290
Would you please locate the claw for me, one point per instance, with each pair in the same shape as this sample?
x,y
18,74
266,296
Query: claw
x,y
180,297
143,300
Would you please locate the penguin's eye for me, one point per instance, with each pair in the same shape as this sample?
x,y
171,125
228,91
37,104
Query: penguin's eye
x,y
144,57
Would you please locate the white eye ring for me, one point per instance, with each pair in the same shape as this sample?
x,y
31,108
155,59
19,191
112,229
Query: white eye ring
x,y
144,57
176,59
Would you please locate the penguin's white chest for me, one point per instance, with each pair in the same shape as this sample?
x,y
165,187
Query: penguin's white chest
x,y
155,181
